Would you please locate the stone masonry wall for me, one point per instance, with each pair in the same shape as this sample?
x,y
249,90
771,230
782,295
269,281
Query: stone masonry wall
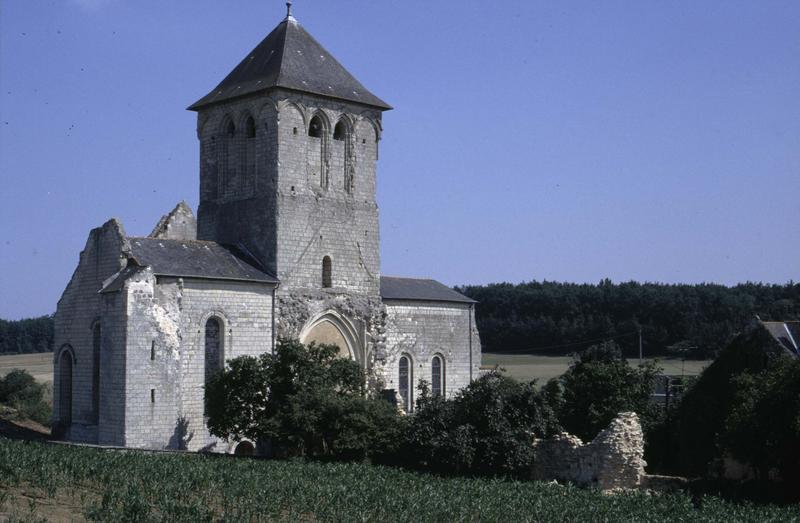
x,y
166,353
424,329
317,220
78,310
289,219
613,460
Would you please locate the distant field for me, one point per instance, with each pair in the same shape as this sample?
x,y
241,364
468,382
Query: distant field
x,y
527,367
520,366
39,365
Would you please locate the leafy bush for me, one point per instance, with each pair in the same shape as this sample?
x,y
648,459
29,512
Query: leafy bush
x,y
598,385
305,400
20,391
486,429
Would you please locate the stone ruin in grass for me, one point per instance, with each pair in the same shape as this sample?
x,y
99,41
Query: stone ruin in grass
x,y
613,459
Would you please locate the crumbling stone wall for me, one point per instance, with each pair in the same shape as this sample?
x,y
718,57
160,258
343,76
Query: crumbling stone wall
x,y
165,353
614,459
178,224
80,308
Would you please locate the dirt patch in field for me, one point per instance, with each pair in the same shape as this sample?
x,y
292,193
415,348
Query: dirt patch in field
x,y
24,503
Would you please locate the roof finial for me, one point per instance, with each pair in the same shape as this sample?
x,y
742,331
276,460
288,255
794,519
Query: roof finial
x,y
289,11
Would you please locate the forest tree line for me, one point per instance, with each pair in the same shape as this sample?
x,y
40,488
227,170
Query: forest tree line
x,y
26,336
561,318
695,321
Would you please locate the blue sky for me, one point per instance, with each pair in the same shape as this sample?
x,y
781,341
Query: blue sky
x,y
568,141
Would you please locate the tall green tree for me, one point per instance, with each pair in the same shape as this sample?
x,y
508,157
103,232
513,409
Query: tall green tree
x,y
600,384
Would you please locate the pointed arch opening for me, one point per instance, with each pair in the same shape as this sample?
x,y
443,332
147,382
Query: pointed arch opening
x,y
332,328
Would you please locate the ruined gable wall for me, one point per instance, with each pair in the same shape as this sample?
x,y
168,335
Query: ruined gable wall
x,y
422,329
79,307
178,224
614,459
169,317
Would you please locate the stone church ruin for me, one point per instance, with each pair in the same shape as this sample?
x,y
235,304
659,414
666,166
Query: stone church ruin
x,y
285,244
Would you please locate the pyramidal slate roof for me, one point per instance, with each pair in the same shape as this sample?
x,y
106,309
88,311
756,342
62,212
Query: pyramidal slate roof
x,y
394,288
291,58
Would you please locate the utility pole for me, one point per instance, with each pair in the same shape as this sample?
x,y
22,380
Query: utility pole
x,y
640,346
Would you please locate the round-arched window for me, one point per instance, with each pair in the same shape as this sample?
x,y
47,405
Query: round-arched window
x,y
405,375
437,375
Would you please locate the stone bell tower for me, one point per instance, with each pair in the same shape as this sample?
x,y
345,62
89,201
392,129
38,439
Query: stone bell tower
x,y
288,152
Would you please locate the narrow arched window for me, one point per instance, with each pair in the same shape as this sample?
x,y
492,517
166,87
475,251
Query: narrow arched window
x,y
249,157
65,387
250,127
437,375
213,347
340,131
405,377
327,272
228,161
96,372
315,128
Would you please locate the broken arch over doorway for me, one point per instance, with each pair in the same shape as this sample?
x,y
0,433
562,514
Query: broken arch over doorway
x,y
331,328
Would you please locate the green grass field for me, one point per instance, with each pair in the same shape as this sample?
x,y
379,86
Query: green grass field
x,y
55,482
526,367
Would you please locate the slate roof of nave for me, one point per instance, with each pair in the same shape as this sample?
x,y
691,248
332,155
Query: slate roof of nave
x,y
419,289
190,259
291,58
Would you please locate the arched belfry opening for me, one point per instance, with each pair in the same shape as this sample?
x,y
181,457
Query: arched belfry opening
x,y
317,152
340,131
316,128
249,157
228,161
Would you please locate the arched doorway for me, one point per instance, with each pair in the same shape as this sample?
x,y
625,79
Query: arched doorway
x,y
331,328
